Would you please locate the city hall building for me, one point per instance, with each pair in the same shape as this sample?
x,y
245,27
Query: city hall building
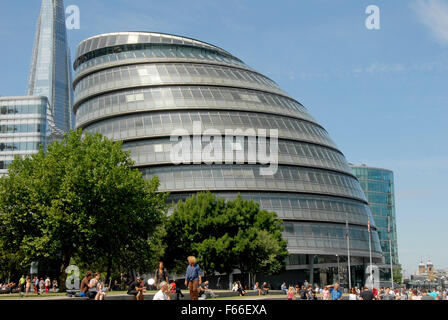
x,y
139,87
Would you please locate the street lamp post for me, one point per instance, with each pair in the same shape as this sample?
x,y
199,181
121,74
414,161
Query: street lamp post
x,y
339,277
348,252
370,253
390,253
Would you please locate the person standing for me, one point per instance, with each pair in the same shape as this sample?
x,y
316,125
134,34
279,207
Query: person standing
x,y
366,294
425,295
36,285
47,285
375,293
41,285
193,277
387,295
27,285
403,295
160,275
415,295
302,293
306,283
22,283
310,293
55,286
290,293
353,295
325,293
335,293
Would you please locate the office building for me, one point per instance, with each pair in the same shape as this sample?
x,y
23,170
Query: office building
x,y
45,114
139,87
378,186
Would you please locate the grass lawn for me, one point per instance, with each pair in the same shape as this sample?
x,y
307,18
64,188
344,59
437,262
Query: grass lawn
x,y
16,296
250,297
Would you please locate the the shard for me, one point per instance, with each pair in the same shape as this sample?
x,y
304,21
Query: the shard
x,y
50,73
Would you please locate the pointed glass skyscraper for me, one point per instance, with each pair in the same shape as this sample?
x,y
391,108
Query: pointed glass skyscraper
x,y
50,73
35,120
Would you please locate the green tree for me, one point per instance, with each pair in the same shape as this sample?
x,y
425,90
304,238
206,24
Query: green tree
x,y
224,235
258,245
398,274
80,199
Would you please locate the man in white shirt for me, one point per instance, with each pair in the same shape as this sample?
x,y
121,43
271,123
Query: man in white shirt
x,y
163,293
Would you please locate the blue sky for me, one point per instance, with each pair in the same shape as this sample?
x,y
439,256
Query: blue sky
x,y
381,94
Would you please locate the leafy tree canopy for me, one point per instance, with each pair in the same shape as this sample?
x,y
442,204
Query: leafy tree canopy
x,y
80,199
224,235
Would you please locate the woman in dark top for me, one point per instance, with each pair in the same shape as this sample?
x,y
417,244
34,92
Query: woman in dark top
x,y
160,275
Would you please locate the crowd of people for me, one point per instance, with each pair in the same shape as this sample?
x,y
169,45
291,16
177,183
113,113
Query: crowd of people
x,y
93,287
263,289
27,285
334,292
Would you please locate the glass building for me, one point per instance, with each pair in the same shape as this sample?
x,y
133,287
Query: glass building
x,y
23,127
50,73
45,114
138,87
378,186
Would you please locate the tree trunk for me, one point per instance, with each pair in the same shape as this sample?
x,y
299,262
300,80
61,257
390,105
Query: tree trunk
x,y
109,269
65,264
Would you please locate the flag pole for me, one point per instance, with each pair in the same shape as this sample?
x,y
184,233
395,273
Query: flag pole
x,y
348,253
370,252
390,254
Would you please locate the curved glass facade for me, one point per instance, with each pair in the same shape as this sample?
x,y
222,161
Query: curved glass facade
x,y
378,186
139,87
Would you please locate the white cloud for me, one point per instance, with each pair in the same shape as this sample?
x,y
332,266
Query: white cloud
x,y
434,15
